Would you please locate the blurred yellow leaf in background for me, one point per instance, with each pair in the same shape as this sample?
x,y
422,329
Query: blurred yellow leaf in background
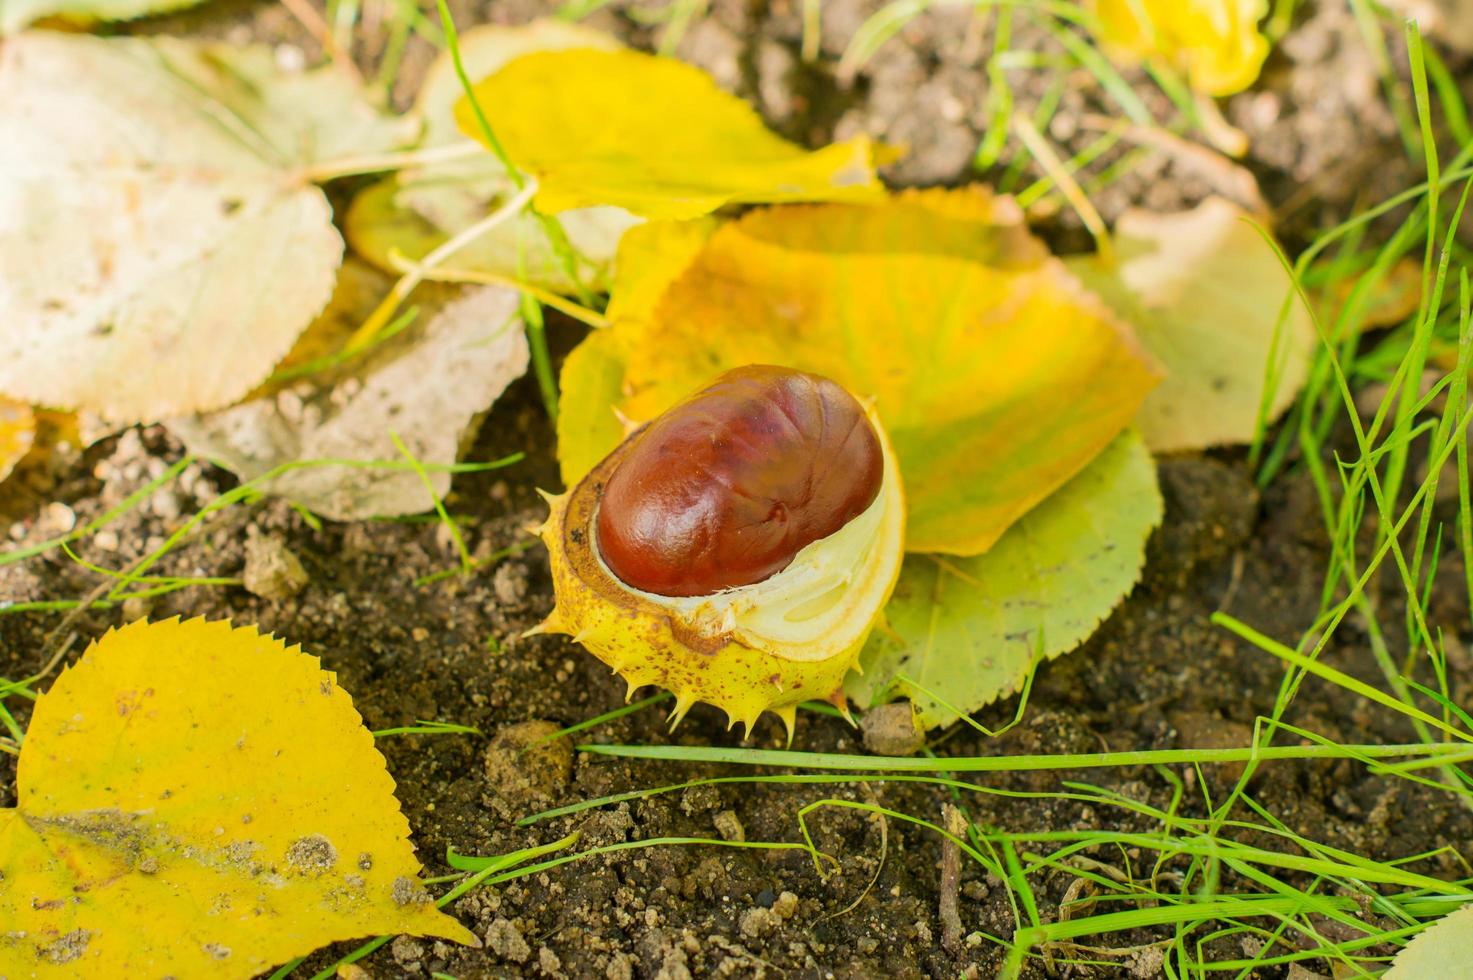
x,y
1216,43
17,433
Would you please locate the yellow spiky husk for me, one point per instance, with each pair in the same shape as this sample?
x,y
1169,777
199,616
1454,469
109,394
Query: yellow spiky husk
x,y
647,643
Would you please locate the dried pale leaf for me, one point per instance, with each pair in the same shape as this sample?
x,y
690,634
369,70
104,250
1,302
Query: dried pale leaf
x,y
422,207
650,258
1205,293
963,632
1439,952
595,127
17,433
211,833
997,376
1215,42
169,173
427,385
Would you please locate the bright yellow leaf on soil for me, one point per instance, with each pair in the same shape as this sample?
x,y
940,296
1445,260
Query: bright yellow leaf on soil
x,y
197,800
653,136
1215,42
421,207
1206,293
17,433
996,374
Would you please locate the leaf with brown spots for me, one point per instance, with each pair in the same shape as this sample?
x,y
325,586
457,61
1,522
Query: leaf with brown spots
x,y
171,824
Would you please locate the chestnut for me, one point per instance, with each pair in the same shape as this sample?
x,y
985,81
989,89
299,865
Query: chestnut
x,y
738,549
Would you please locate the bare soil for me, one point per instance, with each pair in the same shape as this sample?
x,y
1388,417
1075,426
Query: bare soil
x,y
1157,675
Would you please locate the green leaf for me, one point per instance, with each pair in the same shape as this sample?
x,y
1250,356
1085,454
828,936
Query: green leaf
x,y
964,632
1440,952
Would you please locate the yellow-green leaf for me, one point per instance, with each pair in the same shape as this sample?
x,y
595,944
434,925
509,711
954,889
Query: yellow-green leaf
x,y
17,433
423,206
175,177
653,136
1210,299
414,216
1215,42
998,377
963,632
197,800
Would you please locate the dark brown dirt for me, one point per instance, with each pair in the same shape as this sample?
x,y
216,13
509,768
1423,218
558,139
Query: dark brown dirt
x,y
1157,675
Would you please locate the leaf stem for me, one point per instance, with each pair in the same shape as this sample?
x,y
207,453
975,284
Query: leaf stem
x,y
327,170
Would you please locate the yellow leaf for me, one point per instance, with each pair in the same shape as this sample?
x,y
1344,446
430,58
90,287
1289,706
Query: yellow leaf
x,y
197,800
1205,292
1216,42
17,433
650,258
421,207
997,376
653,136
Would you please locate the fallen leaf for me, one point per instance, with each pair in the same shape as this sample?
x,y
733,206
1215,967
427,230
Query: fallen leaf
x,y
997,376
427,385
1215,42
588,125
1440,951
171,175
413,219
422,207
1205,292
963,632
650,258
17,433
167,825
1382,298
15,14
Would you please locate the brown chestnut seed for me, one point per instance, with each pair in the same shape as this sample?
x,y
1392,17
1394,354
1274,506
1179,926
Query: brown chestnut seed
x,y
725,488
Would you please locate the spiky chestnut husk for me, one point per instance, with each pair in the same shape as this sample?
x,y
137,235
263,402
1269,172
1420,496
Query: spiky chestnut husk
x,y
762,647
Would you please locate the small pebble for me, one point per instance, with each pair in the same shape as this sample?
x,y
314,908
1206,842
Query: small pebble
x,y
891,729
272,570
729,827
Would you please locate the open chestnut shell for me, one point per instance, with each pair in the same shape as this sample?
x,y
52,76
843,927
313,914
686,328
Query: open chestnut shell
x,y
736,550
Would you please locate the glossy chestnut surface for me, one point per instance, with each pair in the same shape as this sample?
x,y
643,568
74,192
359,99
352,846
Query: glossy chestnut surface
x,y
725,488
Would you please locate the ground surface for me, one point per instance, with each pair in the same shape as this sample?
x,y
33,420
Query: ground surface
x,y
1157,675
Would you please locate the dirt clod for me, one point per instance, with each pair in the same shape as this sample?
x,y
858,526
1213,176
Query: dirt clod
x,y
312,855
506,941
526,767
